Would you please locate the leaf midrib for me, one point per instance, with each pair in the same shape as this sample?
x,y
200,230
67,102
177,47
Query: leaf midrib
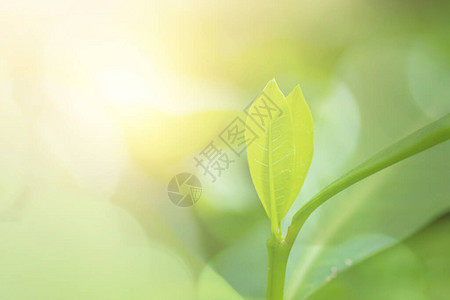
x,y
274,215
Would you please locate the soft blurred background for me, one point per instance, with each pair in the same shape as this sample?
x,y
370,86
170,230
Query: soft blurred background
x,y
103,102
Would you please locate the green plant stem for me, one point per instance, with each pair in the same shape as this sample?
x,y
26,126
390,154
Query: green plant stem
x,y
279,248
422,139
278,253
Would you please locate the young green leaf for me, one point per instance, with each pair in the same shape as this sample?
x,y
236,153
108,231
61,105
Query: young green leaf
x,y
279,158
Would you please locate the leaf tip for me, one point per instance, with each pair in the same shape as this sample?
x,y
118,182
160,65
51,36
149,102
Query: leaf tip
x,y
297,91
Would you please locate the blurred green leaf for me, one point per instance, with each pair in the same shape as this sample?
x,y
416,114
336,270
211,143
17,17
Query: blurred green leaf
x,y
244,263
213,287
70,245
417,268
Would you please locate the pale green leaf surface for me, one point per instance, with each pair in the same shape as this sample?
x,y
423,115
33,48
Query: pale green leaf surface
x,y
280,156
303,141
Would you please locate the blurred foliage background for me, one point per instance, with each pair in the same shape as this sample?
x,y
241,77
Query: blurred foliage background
x,y
102,103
